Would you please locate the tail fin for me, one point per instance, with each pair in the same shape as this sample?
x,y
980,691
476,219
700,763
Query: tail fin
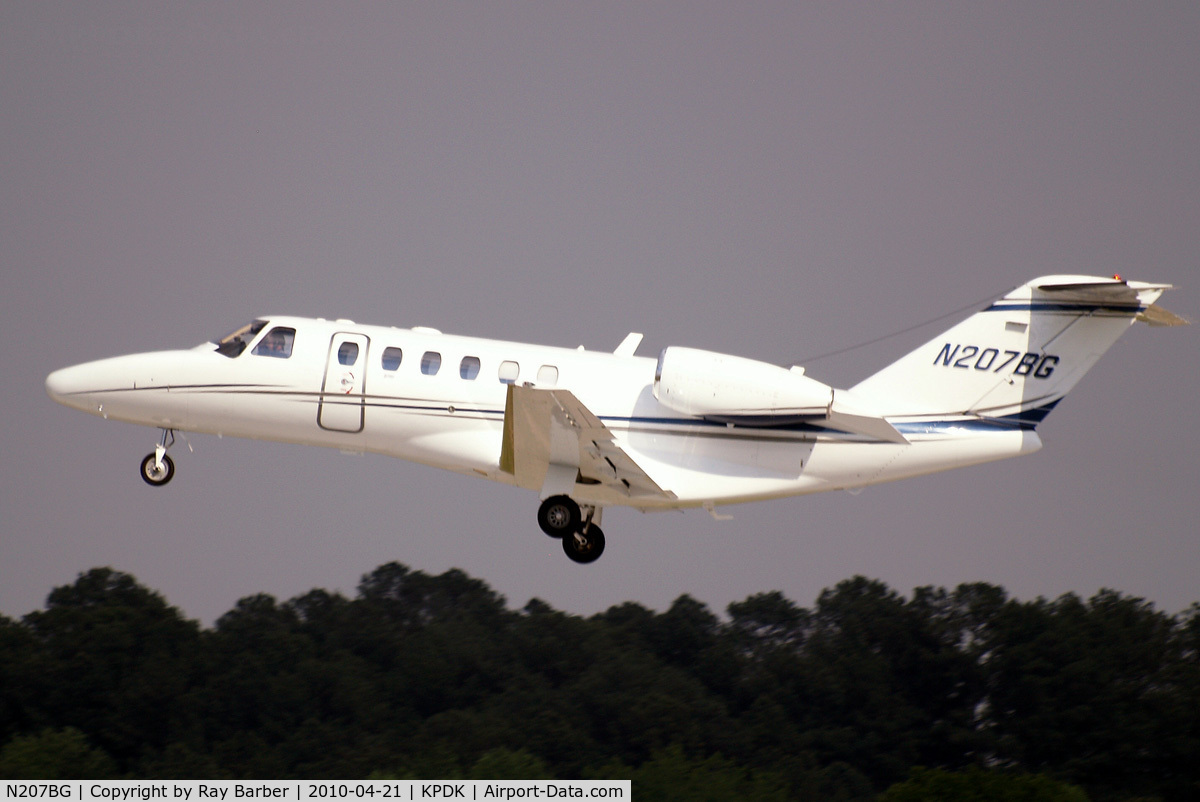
x,y
1017,358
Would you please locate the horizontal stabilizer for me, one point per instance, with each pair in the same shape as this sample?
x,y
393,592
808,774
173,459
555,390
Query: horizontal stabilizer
x,y
1155,315
1137,294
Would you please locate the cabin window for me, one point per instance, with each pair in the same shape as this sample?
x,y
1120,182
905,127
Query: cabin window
x,y
348,353
431,362
277,343
235,342
469,367
391,358
547,375
509,371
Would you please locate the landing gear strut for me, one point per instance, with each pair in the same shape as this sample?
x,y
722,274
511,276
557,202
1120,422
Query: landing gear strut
x,y
158,468
582,540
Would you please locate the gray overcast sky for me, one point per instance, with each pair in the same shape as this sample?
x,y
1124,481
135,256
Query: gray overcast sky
x,y
775,180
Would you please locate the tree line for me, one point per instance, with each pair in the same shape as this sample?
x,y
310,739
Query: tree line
x,y
866,693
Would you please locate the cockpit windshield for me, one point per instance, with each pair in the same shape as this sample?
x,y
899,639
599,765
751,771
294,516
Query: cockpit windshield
x,y
277,343
235,342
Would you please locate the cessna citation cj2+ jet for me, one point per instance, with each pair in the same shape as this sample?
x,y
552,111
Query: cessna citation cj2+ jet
x,y
586,430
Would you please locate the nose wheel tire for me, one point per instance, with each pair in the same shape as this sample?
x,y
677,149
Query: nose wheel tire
x,y
559,516
584,547
154,475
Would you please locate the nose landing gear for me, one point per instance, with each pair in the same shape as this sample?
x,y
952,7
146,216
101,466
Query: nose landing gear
x,y
158,468
582,539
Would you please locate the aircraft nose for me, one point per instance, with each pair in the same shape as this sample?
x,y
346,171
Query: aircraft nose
x,y
58,383
69,386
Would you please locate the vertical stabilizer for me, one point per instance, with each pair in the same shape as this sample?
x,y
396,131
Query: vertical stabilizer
x,y
1017,358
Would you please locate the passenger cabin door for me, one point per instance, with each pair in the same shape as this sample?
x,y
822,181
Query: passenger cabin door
x,y
341,406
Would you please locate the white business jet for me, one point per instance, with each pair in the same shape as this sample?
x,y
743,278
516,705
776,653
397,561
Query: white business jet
x,y
586,430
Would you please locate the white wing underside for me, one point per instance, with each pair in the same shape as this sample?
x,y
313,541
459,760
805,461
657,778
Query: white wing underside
x,y
552,441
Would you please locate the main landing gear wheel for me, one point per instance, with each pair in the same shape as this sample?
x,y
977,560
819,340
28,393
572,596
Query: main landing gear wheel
x,y
559,516
155,476
585,546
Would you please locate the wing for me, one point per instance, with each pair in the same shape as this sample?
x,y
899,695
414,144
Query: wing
x,y
552,441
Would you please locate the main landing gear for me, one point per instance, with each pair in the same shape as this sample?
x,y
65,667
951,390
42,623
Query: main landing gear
x,y
560,517
158,468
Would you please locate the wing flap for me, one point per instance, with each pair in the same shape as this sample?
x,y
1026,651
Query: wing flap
x,y
549,430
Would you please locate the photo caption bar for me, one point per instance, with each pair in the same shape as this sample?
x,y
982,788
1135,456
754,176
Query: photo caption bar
x,y
375,790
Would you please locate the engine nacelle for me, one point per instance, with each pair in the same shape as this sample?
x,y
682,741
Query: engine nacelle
x,y
733,389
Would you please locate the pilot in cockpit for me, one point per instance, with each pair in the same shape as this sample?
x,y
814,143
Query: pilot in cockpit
x,y
275,344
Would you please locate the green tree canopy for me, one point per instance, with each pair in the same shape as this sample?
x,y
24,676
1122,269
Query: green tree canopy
x,y
433,676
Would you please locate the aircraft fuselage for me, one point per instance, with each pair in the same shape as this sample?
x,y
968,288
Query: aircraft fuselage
x,y
451,416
